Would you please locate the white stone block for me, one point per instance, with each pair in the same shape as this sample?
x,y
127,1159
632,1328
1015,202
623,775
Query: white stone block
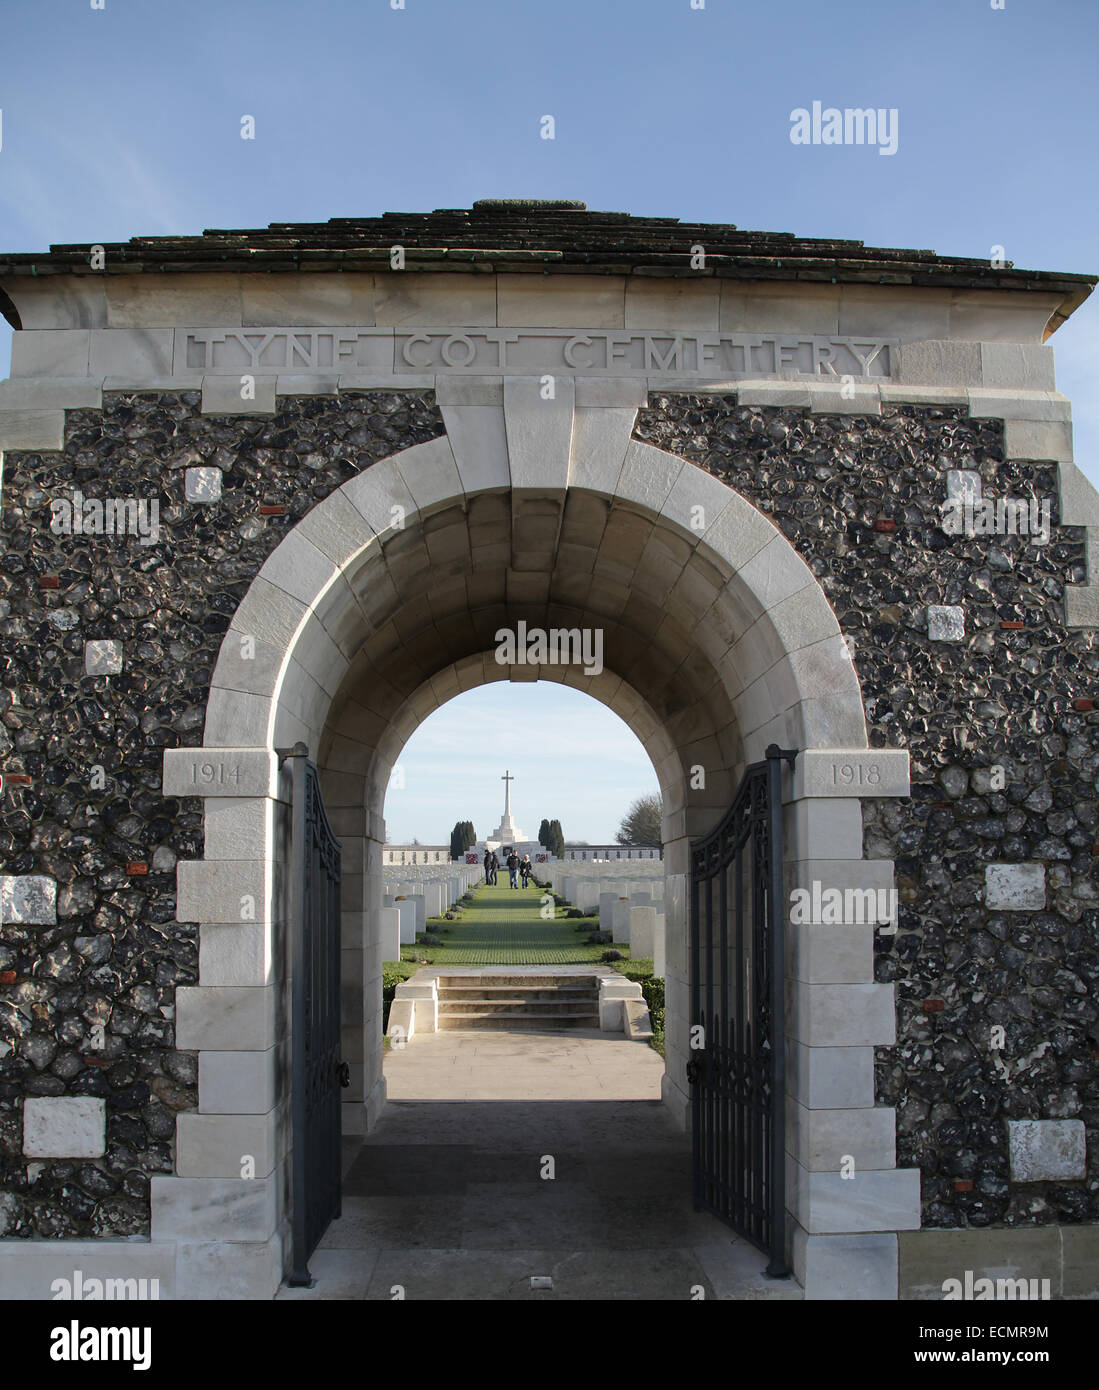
x,y
222,1209
775,573
50,352
299,299
539,430
1047,1150
238,827
843,1015
621,921
226,1018
138,356
1027,366
103,658
824,1140
871,1200
299,569
232,772
202,484
824,828
237,1083
28,899
244,394
600,438
938,362
1040,440
429,473
230,1270
478,440
648,475
40,431
1015,887
46,393
437,300
847,1267
830,1078
223,890
149,299
824,954
235,953
225,1146
834,772
126,1270
610,391
64,1127
945,622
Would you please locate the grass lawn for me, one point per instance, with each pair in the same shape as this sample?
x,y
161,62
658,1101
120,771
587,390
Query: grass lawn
x,y
504,926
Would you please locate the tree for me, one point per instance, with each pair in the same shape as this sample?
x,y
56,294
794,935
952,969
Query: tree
x,y
461,837
556,844
641,823
544,833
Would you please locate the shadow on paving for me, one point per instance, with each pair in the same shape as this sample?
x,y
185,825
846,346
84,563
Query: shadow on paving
x,y
448,1201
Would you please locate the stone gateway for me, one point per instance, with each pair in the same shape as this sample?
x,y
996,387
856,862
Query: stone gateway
x,y
732,466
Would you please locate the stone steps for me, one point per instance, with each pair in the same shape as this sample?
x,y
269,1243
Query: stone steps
x,y
516,1022
511,1002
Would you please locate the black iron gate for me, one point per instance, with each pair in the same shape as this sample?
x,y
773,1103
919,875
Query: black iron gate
x,y
318,1073
736,1066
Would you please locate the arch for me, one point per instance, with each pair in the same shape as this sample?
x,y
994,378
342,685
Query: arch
x,y
386,600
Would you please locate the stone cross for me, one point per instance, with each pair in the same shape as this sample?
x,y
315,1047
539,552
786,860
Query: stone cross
x,y
507,779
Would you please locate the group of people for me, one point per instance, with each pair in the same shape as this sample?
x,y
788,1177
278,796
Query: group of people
x,y
516,868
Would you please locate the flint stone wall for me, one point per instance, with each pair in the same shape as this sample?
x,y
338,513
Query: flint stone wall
x,y
999,695
860,498
107,972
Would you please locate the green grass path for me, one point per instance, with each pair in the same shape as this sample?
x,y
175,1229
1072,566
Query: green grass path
x,y
504,927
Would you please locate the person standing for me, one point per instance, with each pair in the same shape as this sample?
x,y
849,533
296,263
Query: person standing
x,y
526,868
488,867
495,868
513,868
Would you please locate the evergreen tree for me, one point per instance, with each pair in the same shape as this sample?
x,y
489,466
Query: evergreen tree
x,y
557,839
544,833
461,837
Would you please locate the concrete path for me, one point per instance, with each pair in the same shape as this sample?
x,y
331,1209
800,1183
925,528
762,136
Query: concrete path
x,y
468,1198
580,1064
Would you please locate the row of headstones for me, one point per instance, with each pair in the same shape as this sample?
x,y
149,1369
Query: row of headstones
x,y
629,900
407,903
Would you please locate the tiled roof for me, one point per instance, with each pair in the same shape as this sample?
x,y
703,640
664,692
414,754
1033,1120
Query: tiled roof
x,y
546,235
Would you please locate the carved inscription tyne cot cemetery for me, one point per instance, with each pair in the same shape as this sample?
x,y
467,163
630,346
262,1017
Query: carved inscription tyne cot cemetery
x,y
527,352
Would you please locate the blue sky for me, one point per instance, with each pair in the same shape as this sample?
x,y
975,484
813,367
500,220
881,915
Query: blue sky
x,y
125,121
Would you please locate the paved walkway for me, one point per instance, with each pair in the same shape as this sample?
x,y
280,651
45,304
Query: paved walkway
x,y
447,1200
503,1158
451,1196
578,1064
